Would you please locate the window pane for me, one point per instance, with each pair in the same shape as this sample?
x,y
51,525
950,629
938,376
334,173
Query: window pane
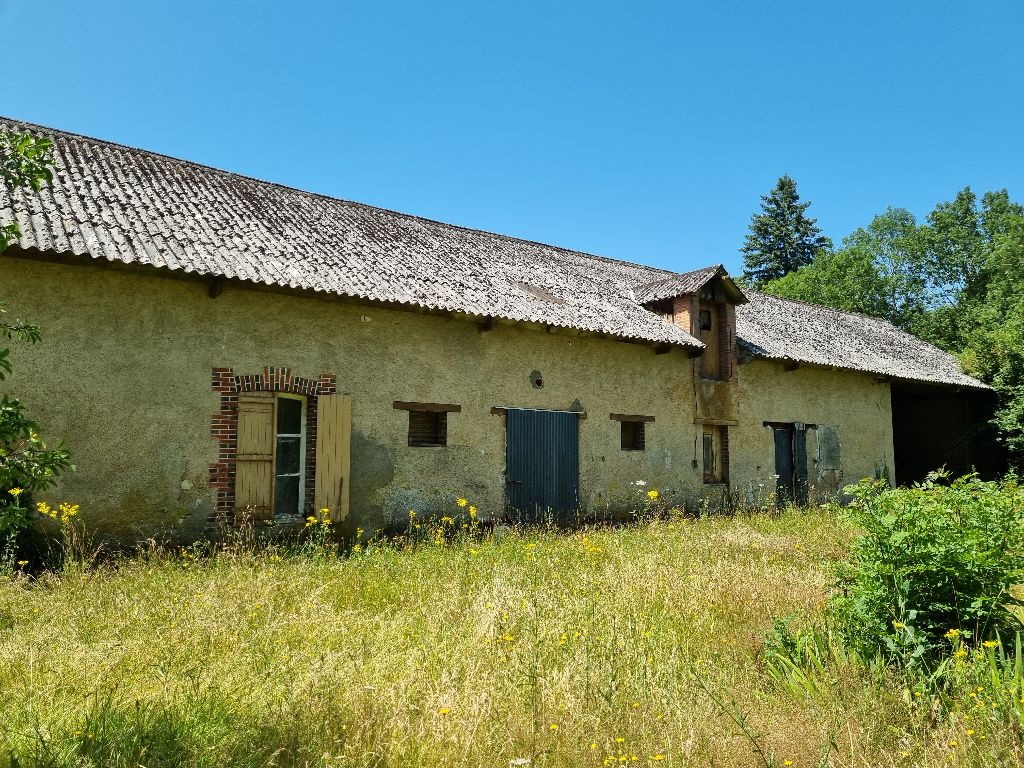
x,y
709,456
286,496
288,451
289,416
705,319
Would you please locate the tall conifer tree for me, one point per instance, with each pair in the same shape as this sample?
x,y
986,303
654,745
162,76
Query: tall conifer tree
x,y
782,238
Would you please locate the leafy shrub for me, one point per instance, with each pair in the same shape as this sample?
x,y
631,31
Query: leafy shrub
x,y
934,561
26,463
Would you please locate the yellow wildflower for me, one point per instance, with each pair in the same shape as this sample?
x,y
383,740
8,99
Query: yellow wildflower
x,y
787,762
472,513
461,501
953,634
443,711
653,494
553,726
67,511
15,492
991,643
897,625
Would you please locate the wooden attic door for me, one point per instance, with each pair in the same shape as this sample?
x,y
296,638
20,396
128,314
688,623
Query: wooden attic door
x,y
254,468
709,325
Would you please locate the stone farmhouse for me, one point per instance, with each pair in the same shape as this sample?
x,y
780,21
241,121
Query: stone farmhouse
x,y
219,348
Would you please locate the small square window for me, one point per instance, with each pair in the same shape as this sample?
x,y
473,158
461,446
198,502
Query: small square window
x,y
633,435
428,428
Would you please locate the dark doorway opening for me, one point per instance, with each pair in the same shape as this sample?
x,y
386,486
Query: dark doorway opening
x,y
542,464
791,484
935,427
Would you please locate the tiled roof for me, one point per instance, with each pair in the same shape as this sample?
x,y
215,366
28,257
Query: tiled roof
x,y
127,205
685,283
120,204
807,333
675,285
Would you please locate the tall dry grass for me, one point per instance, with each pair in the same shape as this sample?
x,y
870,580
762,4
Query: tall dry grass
x,y
630,646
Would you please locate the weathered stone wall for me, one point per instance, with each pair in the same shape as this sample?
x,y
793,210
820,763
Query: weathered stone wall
x,y
124,374
857,404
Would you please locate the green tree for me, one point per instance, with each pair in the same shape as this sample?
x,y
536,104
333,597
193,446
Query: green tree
x,y
782,238
961,237
876,272
994,337
25,161
26,463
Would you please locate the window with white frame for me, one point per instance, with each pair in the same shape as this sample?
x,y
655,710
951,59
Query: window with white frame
x,y
290,463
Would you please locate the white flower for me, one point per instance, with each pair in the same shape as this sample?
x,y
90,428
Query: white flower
x,y
640,482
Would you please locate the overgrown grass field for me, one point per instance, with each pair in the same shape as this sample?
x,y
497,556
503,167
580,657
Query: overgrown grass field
x,y
635,645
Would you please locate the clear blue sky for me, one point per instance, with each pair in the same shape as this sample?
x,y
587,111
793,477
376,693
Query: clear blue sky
x,y
639,130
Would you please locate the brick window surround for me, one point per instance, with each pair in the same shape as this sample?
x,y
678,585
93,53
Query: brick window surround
x,y
224,426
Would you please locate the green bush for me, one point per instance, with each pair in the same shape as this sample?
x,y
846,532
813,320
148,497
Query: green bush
x,y
935,562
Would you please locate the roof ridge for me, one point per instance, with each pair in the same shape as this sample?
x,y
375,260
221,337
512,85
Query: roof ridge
x,y
677,275
46,129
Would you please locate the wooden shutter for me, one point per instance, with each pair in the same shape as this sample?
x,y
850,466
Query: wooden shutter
x,y
254,470
333,454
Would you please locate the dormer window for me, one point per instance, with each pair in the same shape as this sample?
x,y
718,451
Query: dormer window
x,y
702,303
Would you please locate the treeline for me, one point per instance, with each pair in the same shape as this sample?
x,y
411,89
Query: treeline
x,y
955,280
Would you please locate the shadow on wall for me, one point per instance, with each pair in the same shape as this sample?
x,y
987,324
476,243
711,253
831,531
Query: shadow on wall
x,y
374,469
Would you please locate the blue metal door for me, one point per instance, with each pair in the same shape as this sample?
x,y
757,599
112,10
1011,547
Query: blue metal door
x,y
791,464
542,464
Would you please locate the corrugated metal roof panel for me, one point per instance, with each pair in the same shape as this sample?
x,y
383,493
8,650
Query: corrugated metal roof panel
x,y
121,204
807,333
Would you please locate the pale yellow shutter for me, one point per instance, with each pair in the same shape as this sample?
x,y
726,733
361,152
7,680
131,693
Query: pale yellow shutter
x,y
254,470
333,454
